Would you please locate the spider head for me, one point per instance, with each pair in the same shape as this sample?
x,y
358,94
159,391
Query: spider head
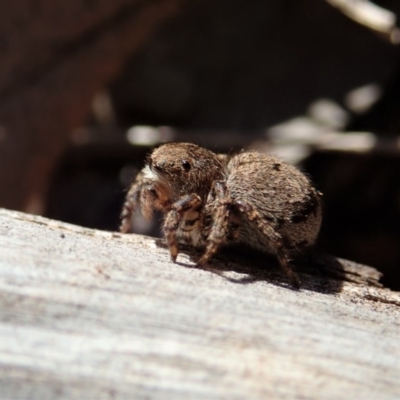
x,y
184,168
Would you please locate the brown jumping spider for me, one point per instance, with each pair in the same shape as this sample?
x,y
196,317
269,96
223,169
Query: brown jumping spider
x,y
210,200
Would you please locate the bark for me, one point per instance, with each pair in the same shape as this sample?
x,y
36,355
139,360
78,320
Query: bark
x,y
87,314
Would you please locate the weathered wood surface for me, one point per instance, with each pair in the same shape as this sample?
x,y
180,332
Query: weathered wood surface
x,y
96,315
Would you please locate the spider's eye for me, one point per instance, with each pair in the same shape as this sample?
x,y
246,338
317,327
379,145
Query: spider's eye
x,y
186,165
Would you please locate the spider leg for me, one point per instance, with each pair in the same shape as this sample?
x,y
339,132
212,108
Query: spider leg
x,y
219,231
146,193
284,262
268,231
152,197
131,200
174,218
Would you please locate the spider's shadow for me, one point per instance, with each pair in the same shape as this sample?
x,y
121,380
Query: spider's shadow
x,y
317,272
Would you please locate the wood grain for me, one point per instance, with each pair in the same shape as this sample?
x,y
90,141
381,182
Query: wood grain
x,y
86,314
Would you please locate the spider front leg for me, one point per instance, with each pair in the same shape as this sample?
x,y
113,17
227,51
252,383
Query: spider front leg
x,y
221,208
274,237
191,202
146,193
132,199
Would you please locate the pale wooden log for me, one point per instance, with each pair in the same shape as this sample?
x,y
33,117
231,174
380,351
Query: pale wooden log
x,y
86,314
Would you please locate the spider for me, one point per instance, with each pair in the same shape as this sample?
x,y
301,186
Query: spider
x,y
210,200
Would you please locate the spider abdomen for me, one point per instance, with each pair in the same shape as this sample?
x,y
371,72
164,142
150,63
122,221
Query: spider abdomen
x,y
281,195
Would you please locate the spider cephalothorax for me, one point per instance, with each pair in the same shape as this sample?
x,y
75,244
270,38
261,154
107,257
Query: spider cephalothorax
x,y
210,200
184,168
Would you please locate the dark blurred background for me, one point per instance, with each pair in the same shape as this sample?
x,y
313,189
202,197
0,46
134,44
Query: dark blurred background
x,y
88,87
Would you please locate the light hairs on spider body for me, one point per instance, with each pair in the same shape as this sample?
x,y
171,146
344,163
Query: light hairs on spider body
x,y
210,200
